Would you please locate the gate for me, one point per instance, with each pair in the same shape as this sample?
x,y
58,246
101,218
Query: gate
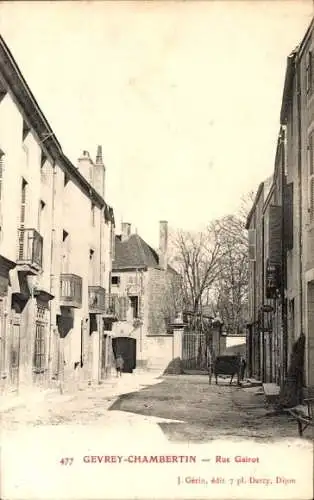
x,y
194,351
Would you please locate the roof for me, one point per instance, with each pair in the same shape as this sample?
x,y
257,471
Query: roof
x,y
290,73
287,89
135,253
37,121
251,212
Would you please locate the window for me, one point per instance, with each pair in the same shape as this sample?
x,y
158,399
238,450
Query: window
x,y
41,209
39,360
91,272
134,305
252,244
115,280
1,172
43,159
93,215
65,252
23,203
26,130
311,176
66,179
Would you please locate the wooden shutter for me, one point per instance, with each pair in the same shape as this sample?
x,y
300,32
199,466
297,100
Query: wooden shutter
x,y
311,201
252,244
309,72
288,216
23,203
275,236
123,308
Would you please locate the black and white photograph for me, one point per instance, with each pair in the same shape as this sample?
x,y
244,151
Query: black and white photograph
x,y
156,249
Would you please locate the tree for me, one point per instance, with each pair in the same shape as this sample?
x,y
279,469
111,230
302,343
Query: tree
x,y
196,257
231,286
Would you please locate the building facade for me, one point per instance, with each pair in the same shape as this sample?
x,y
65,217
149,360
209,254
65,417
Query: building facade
x,y
147,291
56,240
288,223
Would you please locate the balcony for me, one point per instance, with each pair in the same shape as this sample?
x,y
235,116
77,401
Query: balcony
x,y
97,299
30,250
70,290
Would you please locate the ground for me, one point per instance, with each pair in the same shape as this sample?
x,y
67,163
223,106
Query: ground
x,y
185,407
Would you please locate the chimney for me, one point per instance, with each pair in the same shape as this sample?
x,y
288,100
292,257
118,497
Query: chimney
x,y
125,231
99,173
85,166
163,244
99,160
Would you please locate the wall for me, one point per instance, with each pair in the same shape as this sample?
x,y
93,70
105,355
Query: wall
x,y
162,294
66,206
154,344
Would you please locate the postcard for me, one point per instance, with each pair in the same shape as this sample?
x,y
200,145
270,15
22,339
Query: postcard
x,y
156,250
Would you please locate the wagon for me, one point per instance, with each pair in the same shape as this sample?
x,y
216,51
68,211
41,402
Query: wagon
x,y
226,365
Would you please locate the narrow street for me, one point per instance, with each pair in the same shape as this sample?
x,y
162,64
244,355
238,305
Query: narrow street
x,y
186,408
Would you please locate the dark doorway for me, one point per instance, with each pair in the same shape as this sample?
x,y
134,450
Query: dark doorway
x,y
126,347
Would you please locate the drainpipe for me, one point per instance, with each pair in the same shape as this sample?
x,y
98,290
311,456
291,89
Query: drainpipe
x,y
298,76
52,275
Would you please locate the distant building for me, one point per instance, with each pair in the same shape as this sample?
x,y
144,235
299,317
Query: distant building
x,y
56,239
144,289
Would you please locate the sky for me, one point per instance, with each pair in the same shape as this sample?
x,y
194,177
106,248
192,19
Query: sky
x,y
184,97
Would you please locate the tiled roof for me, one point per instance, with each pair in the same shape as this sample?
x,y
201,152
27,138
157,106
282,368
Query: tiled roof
x,y
134,253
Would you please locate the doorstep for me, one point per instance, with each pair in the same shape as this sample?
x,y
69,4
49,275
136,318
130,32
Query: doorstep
x,y
254,382
272,392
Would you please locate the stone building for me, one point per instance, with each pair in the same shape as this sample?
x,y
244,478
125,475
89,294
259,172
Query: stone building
x,y
145,289
289,271
56,239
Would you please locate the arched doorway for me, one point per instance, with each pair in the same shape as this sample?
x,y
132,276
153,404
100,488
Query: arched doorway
x,y
126,347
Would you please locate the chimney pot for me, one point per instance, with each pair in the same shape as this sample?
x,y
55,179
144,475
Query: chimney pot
x,y
99,159
125,231
163,244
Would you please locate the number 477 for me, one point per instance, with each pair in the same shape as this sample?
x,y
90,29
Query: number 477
x,y
66,461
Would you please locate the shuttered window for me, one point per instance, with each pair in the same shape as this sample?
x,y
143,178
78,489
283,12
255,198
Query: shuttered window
x,y
275,236
124,304
252,244
311,176
288,216
119,306
39,358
